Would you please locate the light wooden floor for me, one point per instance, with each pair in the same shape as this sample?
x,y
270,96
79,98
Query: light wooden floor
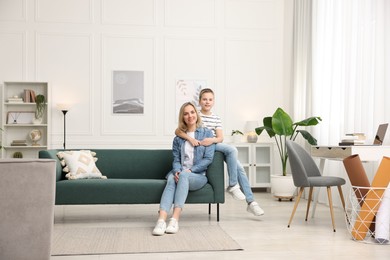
x,y
265,237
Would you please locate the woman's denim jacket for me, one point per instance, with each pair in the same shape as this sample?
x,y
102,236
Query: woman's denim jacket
x,y
203,155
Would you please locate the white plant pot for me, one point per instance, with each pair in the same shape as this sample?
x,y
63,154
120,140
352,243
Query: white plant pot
x,y
237,138
282,186
37,121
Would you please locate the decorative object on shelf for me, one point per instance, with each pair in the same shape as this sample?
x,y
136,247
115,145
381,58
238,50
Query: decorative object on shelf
x,y
237,136
20,117
40,102
35,136
281,127
250,129
17,155
64,109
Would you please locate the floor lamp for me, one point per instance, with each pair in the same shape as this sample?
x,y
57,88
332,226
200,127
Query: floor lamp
x,y
64,109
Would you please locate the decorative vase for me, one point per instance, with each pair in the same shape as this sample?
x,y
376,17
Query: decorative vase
x,y
282,187
251,138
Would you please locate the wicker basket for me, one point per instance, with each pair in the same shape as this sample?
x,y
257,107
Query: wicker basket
x,y
378,228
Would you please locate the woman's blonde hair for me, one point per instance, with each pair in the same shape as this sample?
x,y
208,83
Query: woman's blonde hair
x,y
182,125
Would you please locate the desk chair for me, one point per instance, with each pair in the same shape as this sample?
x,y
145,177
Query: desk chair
x,y
306,174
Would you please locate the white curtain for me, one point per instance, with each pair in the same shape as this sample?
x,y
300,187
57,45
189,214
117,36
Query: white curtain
x,y
351,67
342,70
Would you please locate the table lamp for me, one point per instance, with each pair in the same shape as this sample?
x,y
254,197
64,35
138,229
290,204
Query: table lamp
x,y
250,131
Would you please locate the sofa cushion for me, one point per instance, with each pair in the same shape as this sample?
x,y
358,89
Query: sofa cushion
x,y
80,165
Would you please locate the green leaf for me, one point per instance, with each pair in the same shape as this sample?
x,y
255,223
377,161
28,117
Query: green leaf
x,y
308,137
314,120
282,123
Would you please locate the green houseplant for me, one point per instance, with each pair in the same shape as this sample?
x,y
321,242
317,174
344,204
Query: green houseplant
x,y
40,102
281,127
237,135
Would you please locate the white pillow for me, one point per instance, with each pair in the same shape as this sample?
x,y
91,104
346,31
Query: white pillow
x,y
80,165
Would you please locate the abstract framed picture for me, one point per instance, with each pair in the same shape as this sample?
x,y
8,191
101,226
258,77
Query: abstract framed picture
x,y
127,92
188,91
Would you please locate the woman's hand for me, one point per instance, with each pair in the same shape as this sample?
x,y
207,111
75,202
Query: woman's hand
x,y
193,141
177,176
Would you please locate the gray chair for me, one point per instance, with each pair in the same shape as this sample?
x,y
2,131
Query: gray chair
x,y
27,191
306,174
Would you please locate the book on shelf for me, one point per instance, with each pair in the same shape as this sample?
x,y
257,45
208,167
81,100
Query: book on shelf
x,y
19,143
32,96
27,95
15,100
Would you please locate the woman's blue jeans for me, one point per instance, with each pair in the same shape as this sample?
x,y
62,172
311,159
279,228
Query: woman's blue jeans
x,y
176,193
235,170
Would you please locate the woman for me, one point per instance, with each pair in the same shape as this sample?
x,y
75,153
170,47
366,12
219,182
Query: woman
x,y
189,169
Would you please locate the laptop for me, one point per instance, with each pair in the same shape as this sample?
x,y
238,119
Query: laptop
x,y
380,134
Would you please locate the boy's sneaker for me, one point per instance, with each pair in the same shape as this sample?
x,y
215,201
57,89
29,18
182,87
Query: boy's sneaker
x,y
236,192
160,228
255,209
173,226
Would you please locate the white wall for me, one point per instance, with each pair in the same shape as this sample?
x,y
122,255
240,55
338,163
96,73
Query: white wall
x,y
238,46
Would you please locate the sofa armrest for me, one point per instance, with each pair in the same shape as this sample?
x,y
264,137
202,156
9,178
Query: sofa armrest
x,y
216,177
52,154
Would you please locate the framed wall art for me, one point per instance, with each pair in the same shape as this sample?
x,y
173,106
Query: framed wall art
x,y
188,91
128,92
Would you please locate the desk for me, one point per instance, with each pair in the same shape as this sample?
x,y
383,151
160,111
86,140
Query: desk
x,y
366,153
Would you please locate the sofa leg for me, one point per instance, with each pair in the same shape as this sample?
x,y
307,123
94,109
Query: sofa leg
x,y
209,208
217,212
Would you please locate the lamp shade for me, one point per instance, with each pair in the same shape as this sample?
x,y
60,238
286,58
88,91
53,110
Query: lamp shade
x,y
251,125
63,107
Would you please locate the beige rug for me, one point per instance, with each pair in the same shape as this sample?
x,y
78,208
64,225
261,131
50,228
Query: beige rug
x,y
127,240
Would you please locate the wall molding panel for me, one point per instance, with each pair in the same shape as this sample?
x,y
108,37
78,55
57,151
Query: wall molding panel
x,y
13,11
129,12
128,53
69,11
237,46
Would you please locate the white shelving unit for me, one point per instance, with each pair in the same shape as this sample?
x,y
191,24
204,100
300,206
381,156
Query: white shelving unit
x,y
16,123
257,159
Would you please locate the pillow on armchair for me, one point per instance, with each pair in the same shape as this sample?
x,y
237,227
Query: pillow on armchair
x,y
80,165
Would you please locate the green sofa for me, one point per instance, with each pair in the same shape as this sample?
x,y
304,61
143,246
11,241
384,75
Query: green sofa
x,y
134,176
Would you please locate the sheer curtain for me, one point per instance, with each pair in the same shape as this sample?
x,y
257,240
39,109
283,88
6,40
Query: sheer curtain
x,y
351,67
342,69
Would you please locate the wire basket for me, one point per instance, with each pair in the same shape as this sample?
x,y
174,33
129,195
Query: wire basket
x,y
373,217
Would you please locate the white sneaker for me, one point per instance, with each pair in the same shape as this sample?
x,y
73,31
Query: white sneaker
x,y
236,192
173,226
255,209
160,228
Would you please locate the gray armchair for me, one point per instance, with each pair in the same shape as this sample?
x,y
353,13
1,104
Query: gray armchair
x,y
27,191
306,174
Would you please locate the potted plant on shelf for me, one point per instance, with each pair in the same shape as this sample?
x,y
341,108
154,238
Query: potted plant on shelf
x,y
281,127
40,102
237,136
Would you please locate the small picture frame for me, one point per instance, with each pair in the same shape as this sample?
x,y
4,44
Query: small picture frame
x,y
20,117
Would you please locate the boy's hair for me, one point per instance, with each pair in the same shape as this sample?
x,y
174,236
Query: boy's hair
x,y
182,125
205,90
